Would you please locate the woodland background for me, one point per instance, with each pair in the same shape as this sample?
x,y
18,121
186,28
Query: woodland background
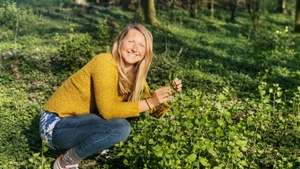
x,y
238,60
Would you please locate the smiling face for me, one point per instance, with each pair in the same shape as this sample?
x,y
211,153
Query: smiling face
x,y
133,47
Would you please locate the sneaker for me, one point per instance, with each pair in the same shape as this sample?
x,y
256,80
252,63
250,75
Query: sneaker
x,y
105,153
58,166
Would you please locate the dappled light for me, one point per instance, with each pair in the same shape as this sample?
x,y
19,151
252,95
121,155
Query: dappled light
x,y
240,102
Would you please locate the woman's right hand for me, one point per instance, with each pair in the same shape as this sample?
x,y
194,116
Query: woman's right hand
x,y
160,95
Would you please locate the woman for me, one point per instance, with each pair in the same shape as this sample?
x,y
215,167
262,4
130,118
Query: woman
x,y
87,113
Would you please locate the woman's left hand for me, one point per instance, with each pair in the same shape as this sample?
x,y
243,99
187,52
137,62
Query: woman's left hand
x,y
176,84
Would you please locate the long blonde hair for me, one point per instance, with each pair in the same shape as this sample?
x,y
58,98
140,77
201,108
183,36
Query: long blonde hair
x,y
131,84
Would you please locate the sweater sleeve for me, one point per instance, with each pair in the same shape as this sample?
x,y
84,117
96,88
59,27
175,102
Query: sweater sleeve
x,y
108,101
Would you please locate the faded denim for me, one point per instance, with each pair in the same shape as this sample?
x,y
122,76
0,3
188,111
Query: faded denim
x,y
89,133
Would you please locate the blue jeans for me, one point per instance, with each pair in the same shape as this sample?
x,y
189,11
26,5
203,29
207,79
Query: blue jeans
x,y
89,133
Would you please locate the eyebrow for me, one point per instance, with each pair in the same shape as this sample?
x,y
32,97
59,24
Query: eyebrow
x,y
137,42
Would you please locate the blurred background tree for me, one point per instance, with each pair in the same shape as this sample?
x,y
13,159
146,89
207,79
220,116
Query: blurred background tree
x,y
281,6
297,22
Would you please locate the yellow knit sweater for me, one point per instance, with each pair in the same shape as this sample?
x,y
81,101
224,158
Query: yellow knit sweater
x,y
95,88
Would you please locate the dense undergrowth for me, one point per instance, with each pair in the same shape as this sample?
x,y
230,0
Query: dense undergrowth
x,y
239,107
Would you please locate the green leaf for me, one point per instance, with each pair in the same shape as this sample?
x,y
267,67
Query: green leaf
x,y
204,161
222,97
217,167
221,122
158,151
36,155
188,124
151,141
243,163
126,162
241,143
219,132
191,158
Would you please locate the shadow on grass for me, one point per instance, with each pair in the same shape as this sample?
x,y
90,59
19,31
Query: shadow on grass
x,y
34,140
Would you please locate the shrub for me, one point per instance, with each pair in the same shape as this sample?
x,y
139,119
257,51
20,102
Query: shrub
x,y
205,131
73,52
17,18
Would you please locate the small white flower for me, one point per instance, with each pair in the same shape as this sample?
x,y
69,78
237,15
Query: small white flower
x,y
286,29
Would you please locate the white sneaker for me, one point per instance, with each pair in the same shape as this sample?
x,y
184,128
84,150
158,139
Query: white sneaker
x,y
105,153
58,166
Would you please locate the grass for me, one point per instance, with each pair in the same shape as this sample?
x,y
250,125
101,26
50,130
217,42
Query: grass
x,y
211,56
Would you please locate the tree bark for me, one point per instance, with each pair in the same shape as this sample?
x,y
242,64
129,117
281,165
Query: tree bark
x,y
297,22
149,11
212,8
80,2
253,8
194,8
130,5
203,5
281,6
233,6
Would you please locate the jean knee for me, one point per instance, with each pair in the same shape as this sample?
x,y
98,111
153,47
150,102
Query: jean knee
x,y
124,128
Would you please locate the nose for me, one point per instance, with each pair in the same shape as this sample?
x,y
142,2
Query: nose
x,y
134,47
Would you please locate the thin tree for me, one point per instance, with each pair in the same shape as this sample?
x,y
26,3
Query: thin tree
x,y
203,5
149,11
129,5
233,5
194,8
253,8
297,22
81,2
212,8
281,6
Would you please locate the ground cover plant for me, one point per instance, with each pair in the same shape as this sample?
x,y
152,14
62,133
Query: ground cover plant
x,y
239,107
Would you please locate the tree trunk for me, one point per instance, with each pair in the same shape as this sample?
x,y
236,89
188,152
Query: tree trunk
x,y
194,8
130,5
149,11
233,6
281,6
253,8
80,2
297,22
212,10
203,5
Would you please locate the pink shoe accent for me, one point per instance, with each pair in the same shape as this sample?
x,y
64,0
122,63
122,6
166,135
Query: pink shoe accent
x,y
57,164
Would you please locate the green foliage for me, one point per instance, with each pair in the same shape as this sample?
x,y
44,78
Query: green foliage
x,y
270,47
239,107
204,131
20,20
74,52
271,44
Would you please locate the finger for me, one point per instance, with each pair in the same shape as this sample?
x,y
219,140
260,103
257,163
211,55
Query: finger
x,y
178,82
179,86
174,81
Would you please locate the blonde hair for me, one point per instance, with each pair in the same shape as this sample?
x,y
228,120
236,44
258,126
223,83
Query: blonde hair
x,y
131,83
